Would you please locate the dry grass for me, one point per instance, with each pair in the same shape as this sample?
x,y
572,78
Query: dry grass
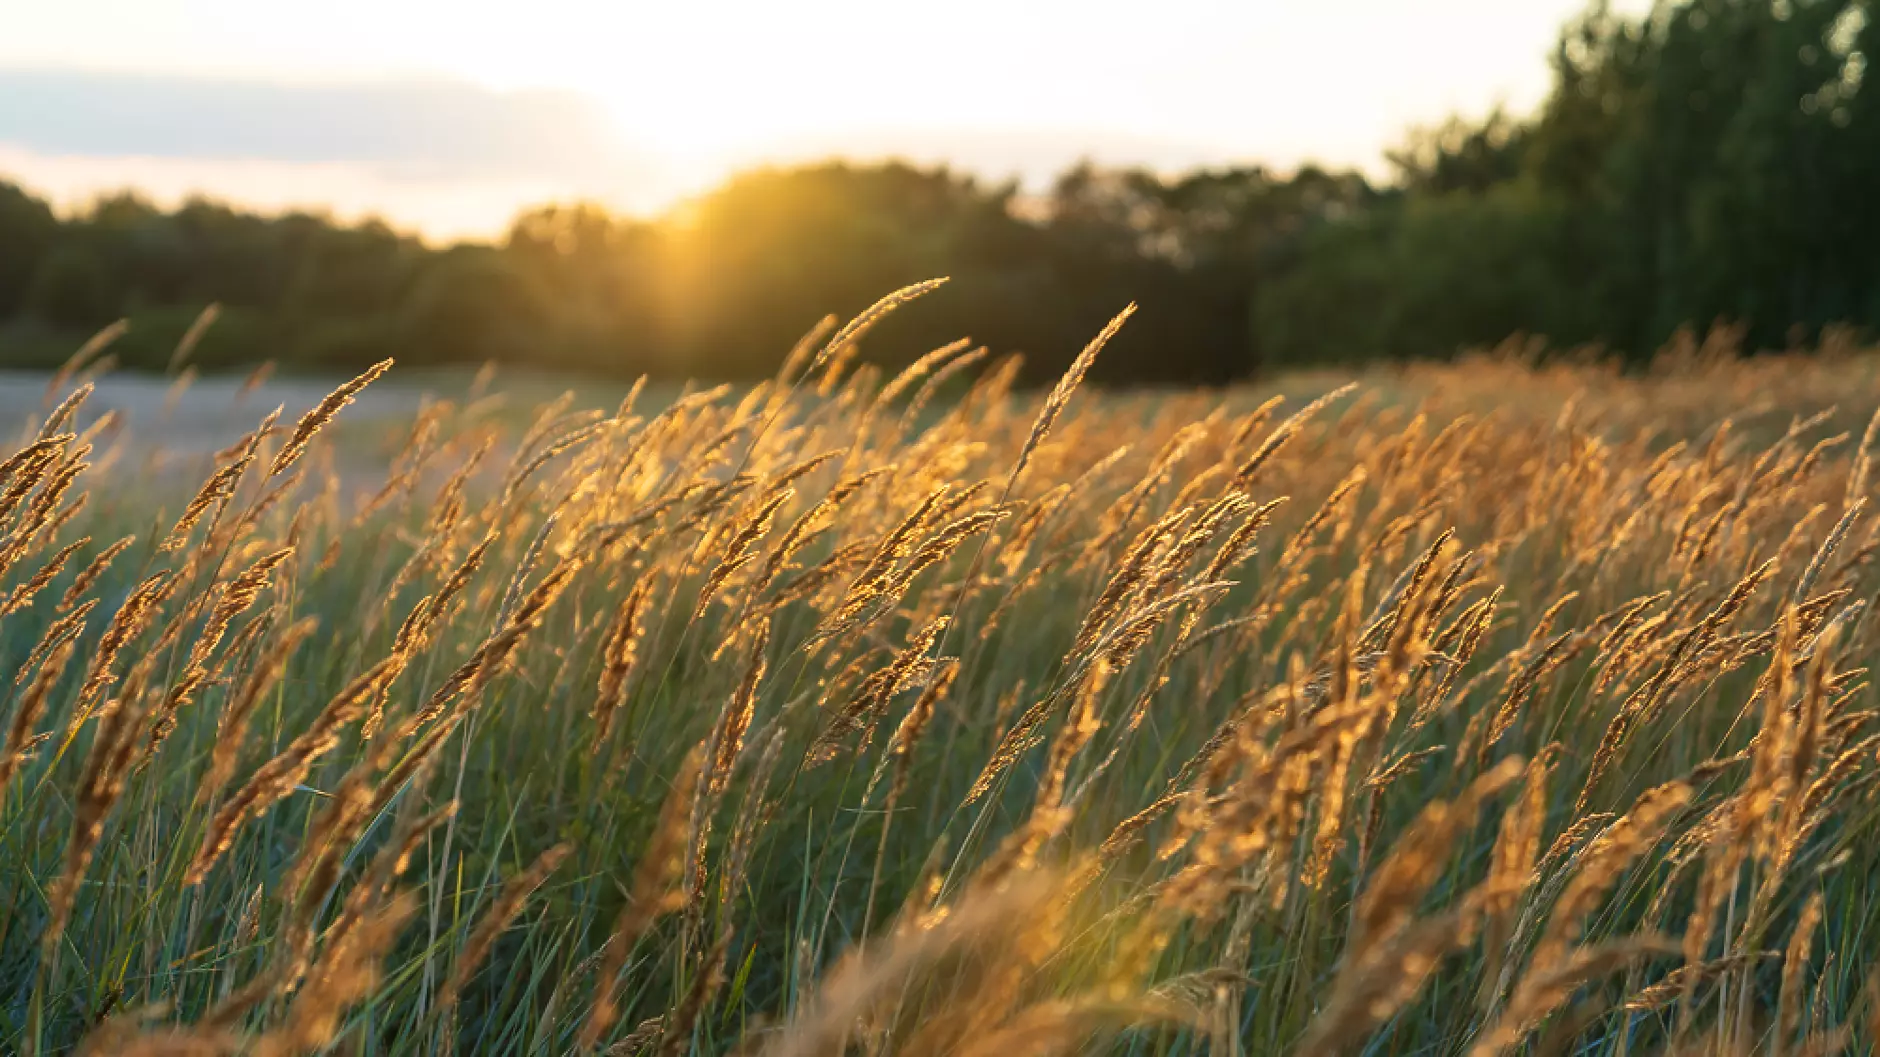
x,y
1489,708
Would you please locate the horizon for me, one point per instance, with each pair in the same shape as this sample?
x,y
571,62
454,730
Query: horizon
x,y
448,127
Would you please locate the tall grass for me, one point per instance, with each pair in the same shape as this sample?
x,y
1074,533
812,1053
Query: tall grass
x,y
1527,714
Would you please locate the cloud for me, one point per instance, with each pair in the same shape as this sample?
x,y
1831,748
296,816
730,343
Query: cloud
x,y
420,130
451,158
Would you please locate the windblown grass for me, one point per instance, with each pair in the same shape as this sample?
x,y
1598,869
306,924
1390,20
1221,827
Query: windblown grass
x,y
1525,712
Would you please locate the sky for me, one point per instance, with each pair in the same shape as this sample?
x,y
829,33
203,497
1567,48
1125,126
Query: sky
x,y
448,115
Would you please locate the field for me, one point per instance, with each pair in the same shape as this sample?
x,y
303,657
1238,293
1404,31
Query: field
x,y
1503,706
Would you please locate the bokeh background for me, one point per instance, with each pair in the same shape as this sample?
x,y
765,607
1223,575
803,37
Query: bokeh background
x,y
683,189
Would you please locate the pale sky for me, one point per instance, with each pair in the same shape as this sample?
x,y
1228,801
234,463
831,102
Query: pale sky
x,y
448,114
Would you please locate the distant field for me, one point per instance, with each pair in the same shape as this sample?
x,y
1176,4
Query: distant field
x,y
204,414
208,413
1483,708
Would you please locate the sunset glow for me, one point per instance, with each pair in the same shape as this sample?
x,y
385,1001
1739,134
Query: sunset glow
x,y
684,93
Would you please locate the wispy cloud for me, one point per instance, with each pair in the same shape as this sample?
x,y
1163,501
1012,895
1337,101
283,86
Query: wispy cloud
x,y
401,129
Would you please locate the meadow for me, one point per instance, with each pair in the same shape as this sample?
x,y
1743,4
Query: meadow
x,y
1509,705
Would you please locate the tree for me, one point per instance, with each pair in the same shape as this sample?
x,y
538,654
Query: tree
x,y
71,287
471,305
28,230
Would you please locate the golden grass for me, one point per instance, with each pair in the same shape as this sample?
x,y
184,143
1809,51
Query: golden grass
x,y
1497,707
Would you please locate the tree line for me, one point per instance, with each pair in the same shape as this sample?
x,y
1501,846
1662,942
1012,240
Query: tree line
x,y
1707,160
